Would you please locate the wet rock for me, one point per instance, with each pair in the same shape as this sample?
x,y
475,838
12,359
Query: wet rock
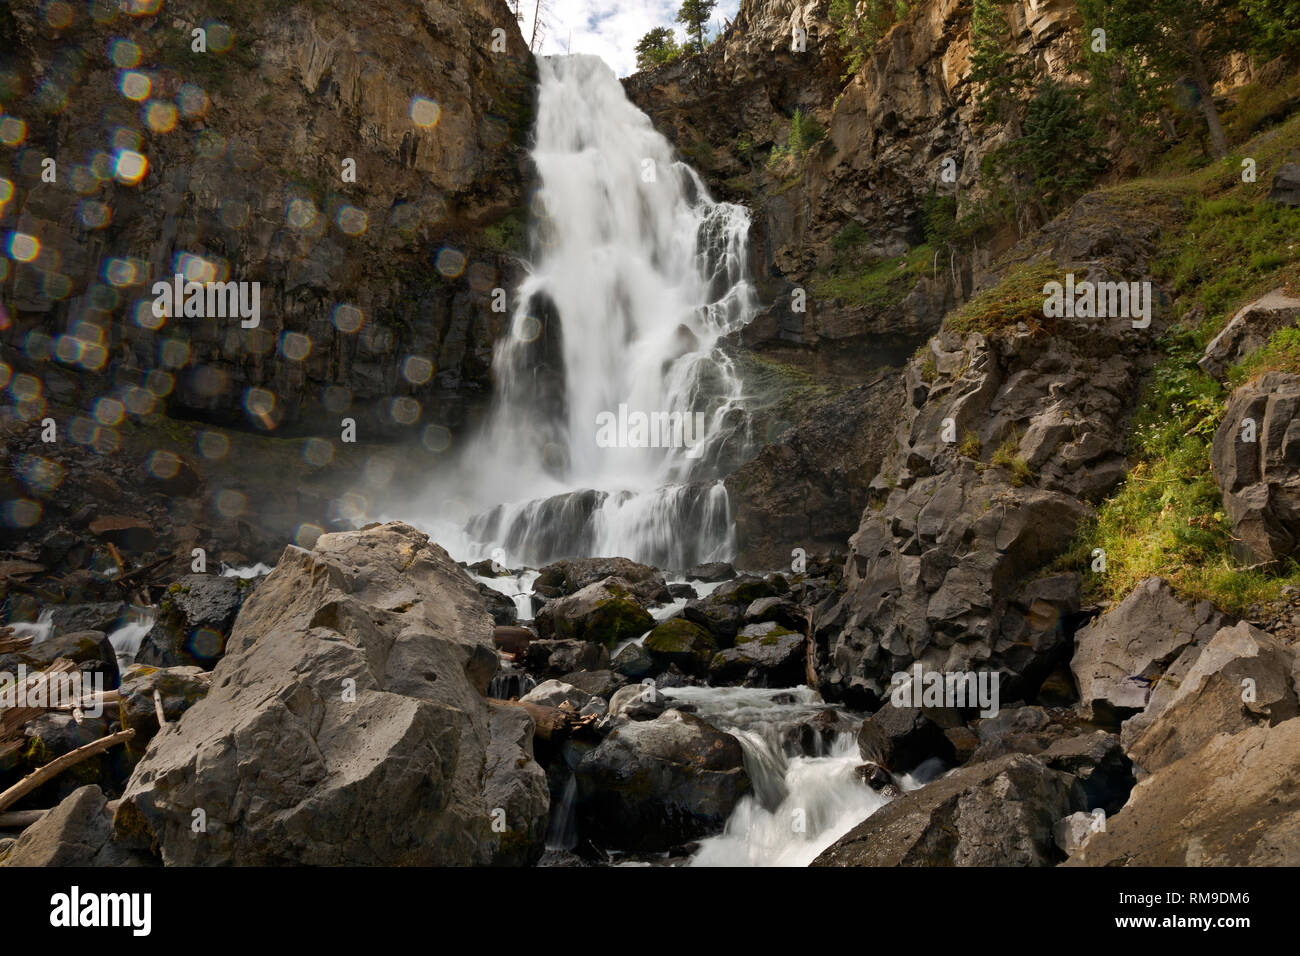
x,y
602,613
633,662
899,738
501,607
1120,656
512,640
764,655
194,621
722,613
711,572
89,650
568,577
600,683
636,702
1000,813
786,613
99,616
347,716
547,658
682,643
654,784
680,590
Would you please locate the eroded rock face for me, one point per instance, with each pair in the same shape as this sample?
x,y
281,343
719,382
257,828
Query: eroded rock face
x,y
654,784
1256,463
346,723
999,813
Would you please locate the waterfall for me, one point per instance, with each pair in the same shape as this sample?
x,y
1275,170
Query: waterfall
x,y
616,413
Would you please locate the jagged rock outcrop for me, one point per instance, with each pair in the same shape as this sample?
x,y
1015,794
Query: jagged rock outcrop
x,y
1241,678
1010,431
1256,463
1249,330
346,724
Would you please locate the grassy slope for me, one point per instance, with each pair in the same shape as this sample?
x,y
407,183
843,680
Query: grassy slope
x,y
1233,246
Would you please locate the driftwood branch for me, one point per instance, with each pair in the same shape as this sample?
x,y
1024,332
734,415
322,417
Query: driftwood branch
x,y
20,819
11,718
553,723
59,764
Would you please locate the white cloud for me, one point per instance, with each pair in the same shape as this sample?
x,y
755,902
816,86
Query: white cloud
x,y
609,29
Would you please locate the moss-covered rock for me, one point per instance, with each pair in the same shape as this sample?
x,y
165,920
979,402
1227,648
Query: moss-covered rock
x,y
602,613
681,642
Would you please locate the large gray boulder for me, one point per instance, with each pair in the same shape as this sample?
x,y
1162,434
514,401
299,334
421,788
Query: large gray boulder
x,y
346,723
1242,678
1249,330
1256,463
604,613
1233,802
77,832
654,784
567,577
1119,657
999,813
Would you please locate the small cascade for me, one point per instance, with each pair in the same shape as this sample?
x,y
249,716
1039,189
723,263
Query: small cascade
x,y
562,833
806,792
130,634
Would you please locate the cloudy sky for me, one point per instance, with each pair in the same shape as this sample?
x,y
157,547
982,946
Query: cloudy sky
x,y
609,28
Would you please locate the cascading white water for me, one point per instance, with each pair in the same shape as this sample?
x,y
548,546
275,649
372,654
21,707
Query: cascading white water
x,y
802,802
636,274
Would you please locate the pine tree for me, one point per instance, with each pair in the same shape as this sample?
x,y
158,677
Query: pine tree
x,y
694,15
1174,38
656,48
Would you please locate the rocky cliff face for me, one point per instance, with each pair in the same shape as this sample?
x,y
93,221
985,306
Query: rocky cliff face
x,y
237,164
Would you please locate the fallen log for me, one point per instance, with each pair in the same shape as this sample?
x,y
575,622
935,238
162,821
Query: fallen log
x,y
20,819
12,644
56,766
552,723
11,718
